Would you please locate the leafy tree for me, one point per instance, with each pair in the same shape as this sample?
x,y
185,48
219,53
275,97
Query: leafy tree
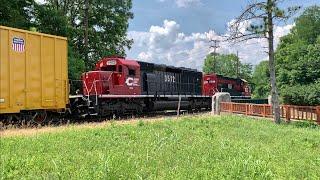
x,y
246,72
107,26
16,13
298,58
298,54
303,95
259,18
50,20
307,25
76,65
261,80
226,65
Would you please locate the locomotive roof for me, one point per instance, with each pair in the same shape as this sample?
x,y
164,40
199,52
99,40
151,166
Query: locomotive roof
x,y
146,65
230,78
226,77
128,62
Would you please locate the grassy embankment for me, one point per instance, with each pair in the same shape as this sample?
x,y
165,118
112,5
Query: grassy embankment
x,y
192,147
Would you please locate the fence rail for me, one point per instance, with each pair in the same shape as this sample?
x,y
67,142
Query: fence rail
x,y
289,112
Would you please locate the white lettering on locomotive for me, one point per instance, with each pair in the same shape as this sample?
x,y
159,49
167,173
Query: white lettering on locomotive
x,y
132,81
209,82
169,78
112,63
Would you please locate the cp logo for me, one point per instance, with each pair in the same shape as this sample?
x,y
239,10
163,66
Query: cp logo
x,y
132,81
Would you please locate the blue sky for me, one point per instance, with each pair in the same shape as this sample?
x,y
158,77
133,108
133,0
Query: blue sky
x,y
176,32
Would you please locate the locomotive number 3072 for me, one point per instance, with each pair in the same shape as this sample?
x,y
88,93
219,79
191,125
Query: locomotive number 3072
x,y
169,78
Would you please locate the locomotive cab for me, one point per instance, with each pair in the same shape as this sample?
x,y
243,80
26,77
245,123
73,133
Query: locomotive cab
x,y
210,82
113,76
213,83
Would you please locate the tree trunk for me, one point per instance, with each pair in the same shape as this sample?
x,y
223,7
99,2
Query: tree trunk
x,y
274,91
86,29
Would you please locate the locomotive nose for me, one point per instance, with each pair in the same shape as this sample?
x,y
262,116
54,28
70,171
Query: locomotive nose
x,y
96,82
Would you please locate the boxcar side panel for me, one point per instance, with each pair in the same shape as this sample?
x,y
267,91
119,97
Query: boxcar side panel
x,y
62,93
48,68
4,70
33,71
17,71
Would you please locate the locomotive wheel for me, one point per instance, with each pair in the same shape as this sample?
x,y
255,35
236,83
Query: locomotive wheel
x,y
39,117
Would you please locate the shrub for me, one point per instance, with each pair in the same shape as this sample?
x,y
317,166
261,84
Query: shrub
x,y
304,95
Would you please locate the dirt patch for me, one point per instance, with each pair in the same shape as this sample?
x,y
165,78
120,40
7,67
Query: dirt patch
x,y
42,130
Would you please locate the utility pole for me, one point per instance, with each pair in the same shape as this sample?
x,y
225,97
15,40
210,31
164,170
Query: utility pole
x,y
215,46
86,29
238,64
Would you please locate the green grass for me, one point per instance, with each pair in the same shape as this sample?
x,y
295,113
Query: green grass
x,y
228,147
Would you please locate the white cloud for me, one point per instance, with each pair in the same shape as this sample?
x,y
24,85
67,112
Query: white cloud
x,y
184,3
166,44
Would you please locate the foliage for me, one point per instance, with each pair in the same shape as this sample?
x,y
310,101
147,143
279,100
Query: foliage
x,y
255,22
16,13
303,95
298,59
206,147
307,25
261,80
76,65
226,65
50,20
108,25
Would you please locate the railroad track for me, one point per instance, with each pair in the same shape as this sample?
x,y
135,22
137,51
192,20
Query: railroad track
x,y
67,121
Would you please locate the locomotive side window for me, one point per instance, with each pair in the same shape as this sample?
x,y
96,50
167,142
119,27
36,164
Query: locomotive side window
x,y
120,69
132,72
109,68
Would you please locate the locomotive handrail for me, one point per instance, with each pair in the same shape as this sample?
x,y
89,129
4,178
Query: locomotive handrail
x,y
86,88
95,89
88,98
95,86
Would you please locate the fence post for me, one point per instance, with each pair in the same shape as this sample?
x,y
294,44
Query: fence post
x,y
264,111
288,113
178,110
247,109
318,114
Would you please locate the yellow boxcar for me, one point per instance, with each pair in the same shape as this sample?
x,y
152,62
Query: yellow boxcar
x,y
33,71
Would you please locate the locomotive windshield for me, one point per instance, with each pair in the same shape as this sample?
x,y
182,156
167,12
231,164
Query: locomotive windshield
x,y
109,68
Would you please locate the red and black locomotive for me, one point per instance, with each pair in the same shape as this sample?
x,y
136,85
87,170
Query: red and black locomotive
x,y
118,86
34,83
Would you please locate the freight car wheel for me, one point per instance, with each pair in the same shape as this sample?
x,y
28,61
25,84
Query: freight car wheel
x,y
39,117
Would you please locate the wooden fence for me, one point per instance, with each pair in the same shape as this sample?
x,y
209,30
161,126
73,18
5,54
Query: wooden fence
x,y
288,112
